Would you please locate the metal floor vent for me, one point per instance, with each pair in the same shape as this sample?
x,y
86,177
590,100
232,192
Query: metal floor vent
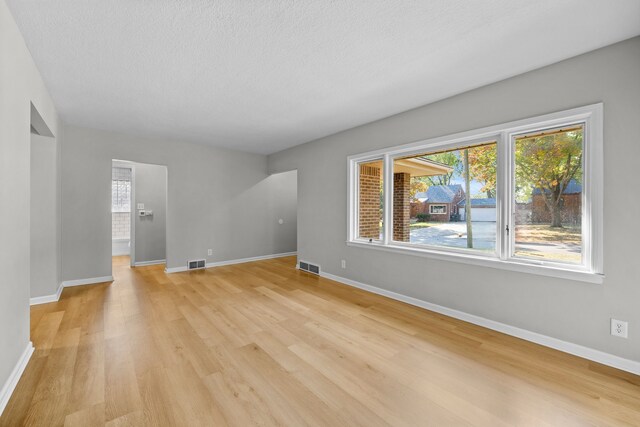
x,y
311,268
196,264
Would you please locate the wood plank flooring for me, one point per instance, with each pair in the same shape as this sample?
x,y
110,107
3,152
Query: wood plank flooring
x,y
264,344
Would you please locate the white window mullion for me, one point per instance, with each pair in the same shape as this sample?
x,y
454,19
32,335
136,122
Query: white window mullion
x,y
510,195
388,200
593,191
354,190
587,206
503,198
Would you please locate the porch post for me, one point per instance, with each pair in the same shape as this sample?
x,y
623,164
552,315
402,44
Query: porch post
x,y
401,206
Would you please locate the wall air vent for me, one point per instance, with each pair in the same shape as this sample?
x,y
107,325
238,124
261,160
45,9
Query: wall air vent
x,y
311,268
196,264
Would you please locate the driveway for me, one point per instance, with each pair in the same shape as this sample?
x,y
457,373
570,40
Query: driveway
x,y
454,234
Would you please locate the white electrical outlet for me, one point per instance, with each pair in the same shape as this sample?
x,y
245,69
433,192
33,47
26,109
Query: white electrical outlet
x,y
209,252
619,328
344,263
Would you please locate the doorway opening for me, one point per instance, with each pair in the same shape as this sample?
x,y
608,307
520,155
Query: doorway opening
x,y
282,188
138,213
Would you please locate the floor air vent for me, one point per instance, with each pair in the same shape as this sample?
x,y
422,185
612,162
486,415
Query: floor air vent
x,y
311,268
196,264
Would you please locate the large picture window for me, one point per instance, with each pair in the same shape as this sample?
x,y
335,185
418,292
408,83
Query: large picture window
x,y
524,195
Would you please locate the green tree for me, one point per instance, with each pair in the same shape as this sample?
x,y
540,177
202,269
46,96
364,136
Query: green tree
x,y
482,167
449,158
549,163
418,185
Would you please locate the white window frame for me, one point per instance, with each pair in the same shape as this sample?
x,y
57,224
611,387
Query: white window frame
x,y
437,206
355,225
591,270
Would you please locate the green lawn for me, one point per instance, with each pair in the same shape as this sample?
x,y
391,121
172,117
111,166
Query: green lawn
x,y
544,233
423,224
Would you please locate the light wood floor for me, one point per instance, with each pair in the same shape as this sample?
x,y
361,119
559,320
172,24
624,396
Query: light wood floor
x,y
264,344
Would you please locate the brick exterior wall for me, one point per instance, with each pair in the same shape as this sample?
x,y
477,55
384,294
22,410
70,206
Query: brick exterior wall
x,y
454,206
401,206
523,213
423,208
416,208
571,210
370,214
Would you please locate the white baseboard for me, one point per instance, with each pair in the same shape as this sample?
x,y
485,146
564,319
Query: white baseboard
x,y
89,281
11,383
233,261
154,262
47,298
67,284
557,344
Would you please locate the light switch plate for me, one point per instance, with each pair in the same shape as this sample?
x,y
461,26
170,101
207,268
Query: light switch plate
x,y
140,205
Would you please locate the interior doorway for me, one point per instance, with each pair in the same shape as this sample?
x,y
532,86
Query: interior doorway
x,y
138,212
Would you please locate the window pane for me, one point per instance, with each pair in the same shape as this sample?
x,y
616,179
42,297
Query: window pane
x,y
548,181
120,202
120,190
370,200
432,190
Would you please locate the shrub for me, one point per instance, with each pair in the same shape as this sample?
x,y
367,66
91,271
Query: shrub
x,y
423,217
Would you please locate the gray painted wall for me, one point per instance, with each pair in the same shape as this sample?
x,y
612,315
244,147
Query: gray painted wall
x,y
572,311
150,231
20,84
218,199
44,216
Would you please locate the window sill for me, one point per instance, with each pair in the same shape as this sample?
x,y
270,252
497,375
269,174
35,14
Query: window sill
x,y
549,271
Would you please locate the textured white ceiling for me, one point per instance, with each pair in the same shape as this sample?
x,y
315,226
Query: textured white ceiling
x,y
265,75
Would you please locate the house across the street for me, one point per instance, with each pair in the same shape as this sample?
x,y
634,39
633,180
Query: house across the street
x,y
537,211
440,202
